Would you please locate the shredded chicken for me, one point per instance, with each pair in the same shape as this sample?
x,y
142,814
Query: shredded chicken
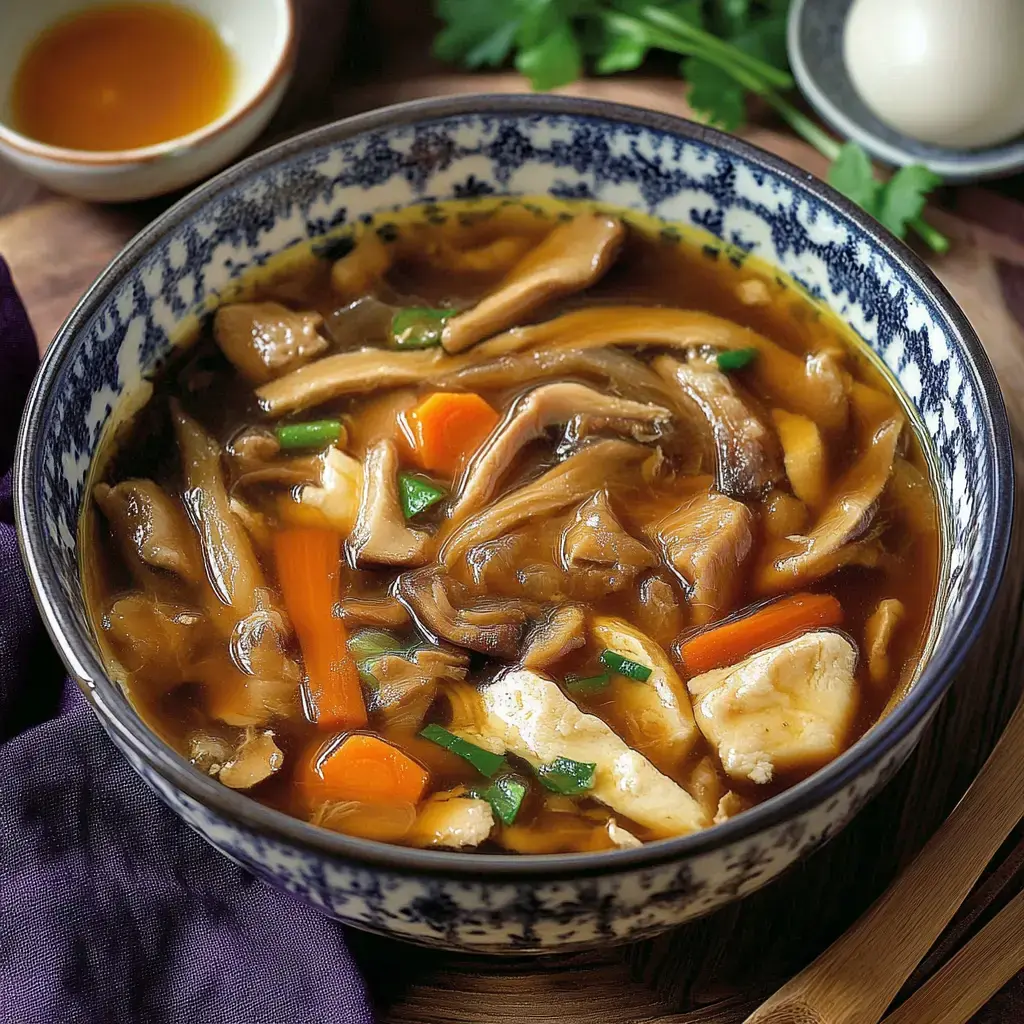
x,y
572,257
451,820
338,493
381,534
551,640
256,758
264,340
878,634
151,528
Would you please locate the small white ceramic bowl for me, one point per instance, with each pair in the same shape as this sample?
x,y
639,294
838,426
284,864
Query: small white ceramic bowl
x,y
260,35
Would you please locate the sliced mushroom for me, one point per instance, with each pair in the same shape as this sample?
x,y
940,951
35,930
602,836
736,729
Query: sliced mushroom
x,y
151,528
452,820
788,708
256,758
551,640
531,415
385,612
407,684
596,465
804,455
747,452
813,386
256,459
381,534
264,340
572,257
848,513
425,593
525,714
707,541
595,540
878,633
656,714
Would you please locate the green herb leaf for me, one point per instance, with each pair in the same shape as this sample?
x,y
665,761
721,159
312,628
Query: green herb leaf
x,y
582,685
903,196
853,175
766,40
624,43
735,358
482,760
505,795
372,643
476,34
566,776
317,434
417,494
549,52
418,327
626,666
715,94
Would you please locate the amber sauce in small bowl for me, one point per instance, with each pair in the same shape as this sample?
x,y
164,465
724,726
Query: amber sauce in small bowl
x,y
122,77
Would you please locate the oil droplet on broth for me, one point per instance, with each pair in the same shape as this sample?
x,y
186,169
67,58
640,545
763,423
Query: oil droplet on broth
x,y
122,77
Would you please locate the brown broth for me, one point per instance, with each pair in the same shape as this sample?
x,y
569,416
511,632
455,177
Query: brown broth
x,y
658,265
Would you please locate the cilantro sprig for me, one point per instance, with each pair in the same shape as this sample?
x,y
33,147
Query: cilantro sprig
x,y
730,50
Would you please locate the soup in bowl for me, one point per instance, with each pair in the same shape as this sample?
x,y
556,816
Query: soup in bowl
x,y
500,514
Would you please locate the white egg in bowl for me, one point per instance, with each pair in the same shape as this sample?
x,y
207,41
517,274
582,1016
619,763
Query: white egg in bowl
x,y
45,45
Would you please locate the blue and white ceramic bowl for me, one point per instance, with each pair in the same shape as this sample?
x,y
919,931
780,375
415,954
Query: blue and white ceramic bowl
x,y
319,183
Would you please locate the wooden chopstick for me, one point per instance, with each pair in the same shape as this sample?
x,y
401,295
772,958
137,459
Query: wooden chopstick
x,y
979,970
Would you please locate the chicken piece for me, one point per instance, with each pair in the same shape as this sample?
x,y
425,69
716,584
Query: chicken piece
x,y
704,785
381,534
350,373
572,257
452,821
786,709
813,386
730,805
596,465
565,832
256,758
386,823
244,698
798,560
151,529
804,456
553,639
154,640
596,548
209,751
746,451
656,714
385,613
525,714
256,459
264,340
878,633
360,270
531,415
707,541
339,492
657,610
495,629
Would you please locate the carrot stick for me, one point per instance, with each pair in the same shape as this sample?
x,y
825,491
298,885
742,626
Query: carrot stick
x,y
364,768
446,428
308,569
734,640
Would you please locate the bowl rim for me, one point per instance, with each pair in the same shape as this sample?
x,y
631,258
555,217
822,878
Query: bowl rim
x,y
75,646
279,71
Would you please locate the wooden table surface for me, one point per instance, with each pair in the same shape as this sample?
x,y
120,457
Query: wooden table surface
x,y
715,970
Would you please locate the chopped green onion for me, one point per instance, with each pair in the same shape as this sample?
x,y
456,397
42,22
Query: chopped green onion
x,y
587,684
318,434
505,795
371,643
626,666
418,327
482,760
417,494
735,358
566,776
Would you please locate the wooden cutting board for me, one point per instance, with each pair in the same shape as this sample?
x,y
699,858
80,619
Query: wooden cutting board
x,y
718,969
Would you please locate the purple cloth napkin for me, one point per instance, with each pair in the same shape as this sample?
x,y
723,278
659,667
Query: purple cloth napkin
x,y
111,910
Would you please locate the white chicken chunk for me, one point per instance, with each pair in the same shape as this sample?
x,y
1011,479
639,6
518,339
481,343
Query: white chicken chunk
x,y
787,708
528,715
451,821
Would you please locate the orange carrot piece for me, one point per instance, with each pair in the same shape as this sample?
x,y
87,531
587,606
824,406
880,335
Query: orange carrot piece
x,y
734,640
364,768
446,428
308,568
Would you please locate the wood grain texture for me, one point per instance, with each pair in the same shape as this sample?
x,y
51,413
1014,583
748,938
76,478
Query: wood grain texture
x,y
714,971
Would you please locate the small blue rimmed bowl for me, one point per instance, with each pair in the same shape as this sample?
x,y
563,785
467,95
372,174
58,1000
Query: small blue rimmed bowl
x,y
486,145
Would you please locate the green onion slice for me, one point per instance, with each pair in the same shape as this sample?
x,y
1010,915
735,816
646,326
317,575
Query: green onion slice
x,y
371,643
482,760
735,358
317,434
418,326
583,685
566,776
626,666
417,494
505,795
